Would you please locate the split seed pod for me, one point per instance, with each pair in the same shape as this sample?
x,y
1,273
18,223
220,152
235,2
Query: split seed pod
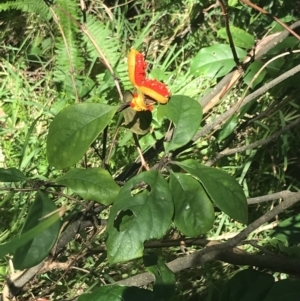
x,y
137,121
141,103
136,68
156,90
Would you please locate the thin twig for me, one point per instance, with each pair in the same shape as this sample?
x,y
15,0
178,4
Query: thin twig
x,y
143,161
220,120
273,17
256,144
104,145
112,145
225,13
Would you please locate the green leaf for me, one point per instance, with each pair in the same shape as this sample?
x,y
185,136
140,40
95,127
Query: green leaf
x,y
84,86
11,175
233,3
251,72
241,38
164,285
274,68
194,212
288,230
287,289
73,130
136,218
39,247
19,241
247,285
288,43
138,122
214,61
186,113
228,128
91,184
223,189
119,293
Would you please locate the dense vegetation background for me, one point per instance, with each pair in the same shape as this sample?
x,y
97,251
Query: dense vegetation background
x,y
201,204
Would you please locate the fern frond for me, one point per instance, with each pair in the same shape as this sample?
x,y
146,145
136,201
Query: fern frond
x,y
101,37
37,6
69,58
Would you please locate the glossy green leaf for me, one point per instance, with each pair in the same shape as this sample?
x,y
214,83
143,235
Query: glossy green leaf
x,y
91,184
119,293
247,285
138,214
186,113
73,130
241,38
223,189
164,284
228,128
287,289
138,122
251,73
194,212
19,241
214,61
39,247
11,175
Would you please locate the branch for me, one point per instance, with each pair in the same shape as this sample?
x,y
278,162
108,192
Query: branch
x,y
258,143
263,47
222,118
267,198
222,251
276,263
230,39
81,221
263,11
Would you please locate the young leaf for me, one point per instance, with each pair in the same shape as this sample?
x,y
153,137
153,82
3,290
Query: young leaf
x,y
194,212
119,293
73,130
91,184
39,247
186,113
223,189
136,218
11,175
214,60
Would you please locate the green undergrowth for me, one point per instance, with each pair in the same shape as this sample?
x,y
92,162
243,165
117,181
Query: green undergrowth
x,y
37,82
